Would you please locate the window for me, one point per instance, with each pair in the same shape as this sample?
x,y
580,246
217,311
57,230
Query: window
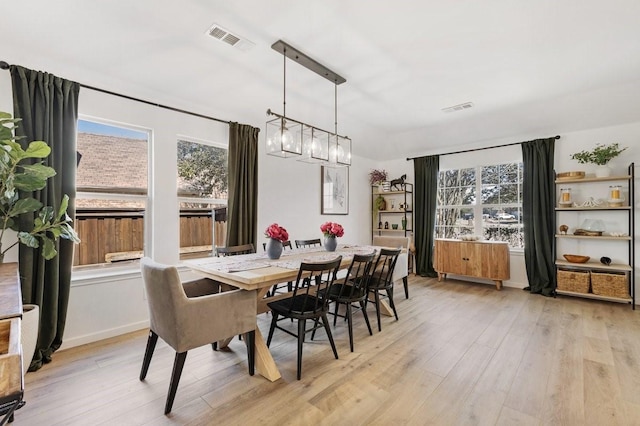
x,y
483,200
111,181
202,193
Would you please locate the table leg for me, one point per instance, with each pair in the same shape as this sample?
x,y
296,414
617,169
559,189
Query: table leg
x,y
265,364
385,308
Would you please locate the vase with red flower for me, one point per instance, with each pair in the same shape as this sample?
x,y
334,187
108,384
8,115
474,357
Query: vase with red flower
x,y
277,235
331,231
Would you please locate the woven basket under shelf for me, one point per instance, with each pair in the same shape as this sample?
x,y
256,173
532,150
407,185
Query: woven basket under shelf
x,y
575,281
610,284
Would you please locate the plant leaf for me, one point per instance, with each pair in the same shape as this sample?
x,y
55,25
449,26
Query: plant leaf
x,y
39,170
62,210
27,182
28,240
24,205
37,149
48,248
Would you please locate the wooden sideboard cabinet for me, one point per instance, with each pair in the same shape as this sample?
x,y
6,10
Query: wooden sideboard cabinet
x,y
479,259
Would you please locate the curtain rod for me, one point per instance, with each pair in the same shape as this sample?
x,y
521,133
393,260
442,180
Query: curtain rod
x,y
5,66
475,149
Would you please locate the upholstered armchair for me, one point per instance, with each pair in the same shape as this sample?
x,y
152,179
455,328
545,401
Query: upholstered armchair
x,y
402,265
193,314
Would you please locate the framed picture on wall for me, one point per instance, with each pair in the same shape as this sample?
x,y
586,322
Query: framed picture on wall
x,y
334,190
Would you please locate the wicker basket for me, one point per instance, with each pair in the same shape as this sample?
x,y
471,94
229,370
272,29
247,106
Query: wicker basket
x,y
610,284
573,280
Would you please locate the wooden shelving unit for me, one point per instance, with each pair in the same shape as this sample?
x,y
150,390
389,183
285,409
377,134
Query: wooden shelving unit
x,y
593,265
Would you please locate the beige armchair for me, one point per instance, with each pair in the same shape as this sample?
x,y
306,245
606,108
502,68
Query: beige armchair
x,y
401,270
193,314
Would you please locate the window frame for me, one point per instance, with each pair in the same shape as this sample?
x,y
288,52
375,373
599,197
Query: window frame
x,y
212,202
121,194
478,207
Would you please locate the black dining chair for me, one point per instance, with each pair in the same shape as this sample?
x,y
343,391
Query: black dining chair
x,y
305,304
308,243
235,250
353,289
381,279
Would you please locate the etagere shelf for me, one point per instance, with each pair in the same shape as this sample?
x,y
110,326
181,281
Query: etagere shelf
x,y
594,266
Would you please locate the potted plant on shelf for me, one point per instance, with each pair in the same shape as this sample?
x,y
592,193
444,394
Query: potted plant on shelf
x,y
17,176
378,177
600,156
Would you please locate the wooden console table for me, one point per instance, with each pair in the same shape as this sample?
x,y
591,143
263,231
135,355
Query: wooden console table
x,y
11,384
479,259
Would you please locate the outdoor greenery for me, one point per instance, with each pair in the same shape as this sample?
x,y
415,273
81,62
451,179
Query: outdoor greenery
x,y
499,196
203,168
19,177
600,155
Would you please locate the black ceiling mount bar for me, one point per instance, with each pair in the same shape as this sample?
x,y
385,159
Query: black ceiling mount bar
x,y
5,66
474,149
307,62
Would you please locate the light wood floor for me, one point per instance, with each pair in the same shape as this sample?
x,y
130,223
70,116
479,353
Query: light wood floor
x,y
461,354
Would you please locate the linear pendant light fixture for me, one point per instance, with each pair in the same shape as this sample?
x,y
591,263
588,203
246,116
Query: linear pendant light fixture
x,y
287,137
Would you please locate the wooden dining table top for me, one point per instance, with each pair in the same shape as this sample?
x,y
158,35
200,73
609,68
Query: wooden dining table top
x,y
255,271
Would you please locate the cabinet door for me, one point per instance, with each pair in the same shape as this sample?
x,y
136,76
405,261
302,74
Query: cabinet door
x,y
499,262
448,257
473,259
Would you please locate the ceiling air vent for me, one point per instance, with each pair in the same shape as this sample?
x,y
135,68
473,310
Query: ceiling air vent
x,y
224,35
459,107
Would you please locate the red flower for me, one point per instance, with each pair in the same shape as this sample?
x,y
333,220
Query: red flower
x,y
332,229
277,232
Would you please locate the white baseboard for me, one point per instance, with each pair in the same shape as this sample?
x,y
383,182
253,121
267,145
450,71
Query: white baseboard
x,y
103,334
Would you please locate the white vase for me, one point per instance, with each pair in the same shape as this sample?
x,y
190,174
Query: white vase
x,y
603,171
29,333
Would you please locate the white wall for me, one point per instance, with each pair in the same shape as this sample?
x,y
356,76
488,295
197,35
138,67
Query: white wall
x,y
104,305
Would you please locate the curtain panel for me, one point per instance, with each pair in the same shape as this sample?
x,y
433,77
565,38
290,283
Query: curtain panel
x,y
48,108
242,206
426,175
538,215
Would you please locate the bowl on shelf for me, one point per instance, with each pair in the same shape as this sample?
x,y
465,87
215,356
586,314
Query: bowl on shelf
x,y
570,175
576,258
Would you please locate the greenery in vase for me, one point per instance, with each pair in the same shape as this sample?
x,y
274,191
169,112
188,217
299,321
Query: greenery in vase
x,y
600,155
15,177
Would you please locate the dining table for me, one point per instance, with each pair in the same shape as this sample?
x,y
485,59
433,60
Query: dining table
x,y
255,271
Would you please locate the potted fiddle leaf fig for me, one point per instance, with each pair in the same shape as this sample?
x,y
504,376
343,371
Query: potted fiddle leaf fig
x,y
19,176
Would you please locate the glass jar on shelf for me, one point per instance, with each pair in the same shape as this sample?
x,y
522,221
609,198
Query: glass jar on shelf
x,y
565,197
616,198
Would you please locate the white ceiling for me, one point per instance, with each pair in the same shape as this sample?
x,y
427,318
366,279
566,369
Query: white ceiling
x,y
530,67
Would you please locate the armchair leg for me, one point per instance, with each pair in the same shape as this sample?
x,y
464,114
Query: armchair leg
x,y
148,353
178,363
405,281
250,340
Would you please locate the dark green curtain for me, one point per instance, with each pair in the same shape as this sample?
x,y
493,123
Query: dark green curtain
x,y
48,107
426,175
538,215
242,206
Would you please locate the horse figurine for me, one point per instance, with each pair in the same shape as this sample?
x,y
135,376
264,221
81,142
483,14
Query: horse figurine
x,y
399,181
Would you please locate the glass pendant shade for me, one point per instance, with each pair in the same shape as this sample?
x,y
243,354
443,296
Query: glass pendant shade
x,y
315,145
339,151
284,139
